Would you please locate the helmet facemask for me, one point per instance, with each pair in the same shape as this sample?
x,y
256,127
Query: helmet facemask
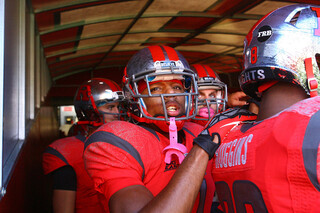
x,y
213,94
186,76
209,107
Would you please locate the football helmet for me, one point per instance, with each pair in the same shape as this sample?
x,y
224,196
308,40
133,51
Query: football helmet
x,y
283,46
209,80
153,64
92,94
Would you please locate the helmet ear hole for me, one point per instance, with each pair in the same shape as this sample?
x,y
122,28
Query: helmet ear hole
x,y
294,19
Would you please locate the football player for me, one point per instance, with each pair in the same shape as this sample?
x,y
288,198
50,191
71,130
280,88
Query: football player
x,y
272,163
213,97
96,102
141,167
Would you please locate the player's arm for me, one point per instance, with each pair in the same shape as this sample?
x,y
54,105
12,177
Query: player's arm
x,y
178,196
64,190
63,201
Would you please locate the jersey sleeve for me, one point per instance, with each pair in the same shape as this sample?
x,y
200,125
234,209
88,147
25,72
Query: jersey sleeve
x,y
65,178
62,152
52,159
112,162
302,137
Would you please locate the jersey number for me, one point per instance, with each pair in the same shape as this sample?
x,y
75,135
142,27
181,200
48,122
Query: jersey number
x,y
245,193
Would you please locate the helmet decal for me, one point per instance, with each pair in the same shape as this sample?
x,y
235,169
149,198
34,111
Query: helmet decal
x,y
264,33
249,35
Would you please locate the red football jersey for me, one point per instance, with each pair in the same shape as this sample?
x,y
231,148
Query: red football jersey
x,y
122,154
69,151
272,165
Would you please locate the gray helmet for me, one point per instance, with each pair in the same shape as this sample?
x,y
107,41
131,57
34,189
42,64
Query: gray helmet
x,y
92,94
283,46
152,64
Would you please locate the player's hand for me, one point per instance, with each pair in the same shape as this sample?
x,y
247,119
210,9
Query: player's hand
x,y
237,99
227,120
209,143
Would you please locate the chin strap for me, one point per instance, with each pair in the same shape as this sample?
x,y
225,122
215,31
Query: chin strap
x,y
174,148
311,80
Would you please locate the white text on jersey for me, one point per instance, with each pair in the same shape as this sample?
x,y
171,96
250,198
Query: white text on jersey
x,y
233,153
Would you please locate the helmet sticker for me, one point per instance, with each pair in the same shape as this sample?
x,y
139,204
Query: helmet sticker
x,y
164,65
254,55
264,33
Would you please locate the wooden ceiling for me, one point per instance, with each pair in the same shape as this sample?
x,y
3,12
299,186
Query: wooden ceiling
x,y
95,38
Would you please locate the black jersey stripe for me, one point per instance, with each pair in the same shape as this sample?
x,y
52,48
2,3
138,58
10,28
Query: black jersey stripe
x,y
114,140
188,131
55,152
81,137
310,146
151,131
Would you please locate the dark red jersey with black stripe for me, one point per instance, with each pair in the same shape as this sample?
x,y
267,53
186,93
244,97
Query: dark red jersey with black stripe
x,y
272,165
121,154
69,151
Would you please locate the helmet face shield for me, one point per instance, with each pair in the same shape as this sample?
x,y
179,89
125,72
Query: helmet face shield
x,y
277,47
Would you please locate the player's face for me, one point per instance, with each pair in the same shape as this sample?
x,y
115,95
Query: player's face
x,y
174,104
110,108
209,94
